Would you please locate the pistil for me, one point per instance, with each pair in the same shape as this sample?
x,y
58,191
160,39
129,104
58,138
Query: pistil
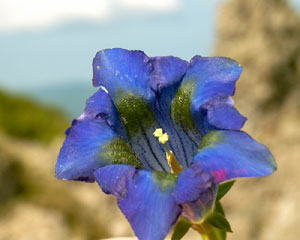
x,y
172,161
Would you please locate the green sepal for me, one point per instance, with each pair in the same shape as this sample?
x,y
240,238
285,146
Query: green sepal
x,y
181,228
218,220
214,225
224,188
219,208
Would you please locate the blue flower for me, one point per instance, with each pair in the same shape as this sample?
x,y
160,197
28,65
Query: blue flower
x,y
188,107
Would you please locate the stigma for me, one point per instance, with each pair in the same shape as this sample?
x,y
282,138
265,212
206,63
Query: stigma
x,y
172,161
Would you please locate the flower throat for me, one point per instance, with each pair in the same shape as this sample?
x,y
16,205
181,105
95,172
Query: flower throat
x,y
172,161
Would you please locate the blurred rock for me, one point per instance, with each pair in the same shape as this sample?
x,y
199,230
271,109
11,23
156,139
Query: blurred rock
x,y
29,222
30,192
264,36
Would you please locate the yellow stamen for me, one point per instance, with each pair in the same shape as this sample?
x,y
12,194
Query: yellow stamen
x,y
172,161
163,138
158,132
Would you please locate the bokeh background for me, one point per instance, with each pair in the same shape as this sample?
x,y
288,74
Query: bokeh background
x,y
46,51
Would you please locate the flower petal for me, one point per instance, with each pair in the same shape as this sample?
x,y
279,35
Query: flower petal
x,y
224,116
94,140
205,90
114,179
233,154
166,76
122,71
213,77
192,182
196,192
142,89
100,105
126,76
146,198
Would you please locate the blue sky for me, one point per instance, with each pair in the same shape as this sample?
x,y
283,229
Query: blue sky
x,y
46,43
39,51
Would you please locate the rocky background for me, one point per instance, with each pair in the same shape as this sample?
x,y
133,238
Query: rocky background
x,y
264,36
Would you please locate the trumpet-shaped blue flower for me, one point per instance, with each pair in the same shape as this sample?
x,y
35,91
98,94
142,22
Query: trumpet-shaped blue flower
x,y
160,134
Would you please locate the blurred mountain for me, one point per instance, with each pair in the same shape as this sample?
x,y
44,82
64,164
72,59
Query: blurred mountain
x,y
69,97
24,118
264,36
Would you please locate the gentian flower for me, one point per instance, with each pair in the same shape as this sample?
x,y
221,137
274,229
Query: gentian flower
x,y
160,134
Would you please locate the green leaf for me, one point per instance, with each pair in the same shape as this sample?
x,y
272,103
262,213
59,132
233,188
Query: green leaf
x,y
219,221
219,208
181,228
224,188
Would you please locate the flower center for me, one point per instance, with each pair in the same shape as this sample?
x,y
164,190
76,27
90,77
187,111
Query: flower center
x,y
172,161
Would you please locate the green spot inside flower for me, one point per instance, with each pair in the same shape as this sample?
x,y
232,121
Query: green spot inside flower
x,y
118,151
181,106
211,139
135,113
165,180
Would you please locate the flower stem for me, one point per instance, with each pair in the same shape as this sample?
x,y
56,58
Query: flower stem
x,y
208,232
210,236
